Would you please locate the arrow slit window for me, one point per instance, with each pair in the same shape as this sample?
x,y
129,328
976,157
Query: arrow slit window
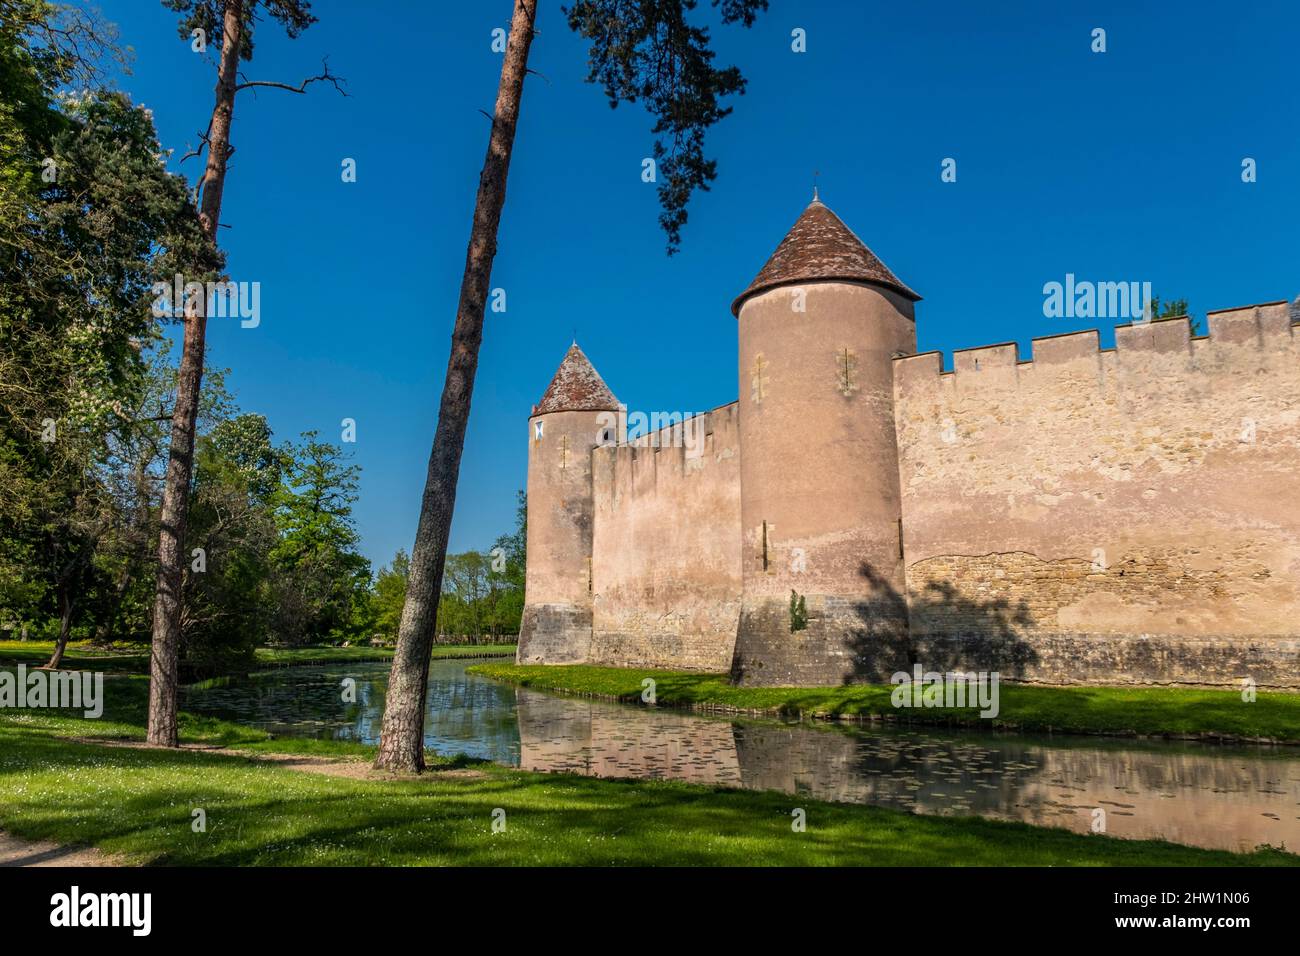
x,y
846,361
758,379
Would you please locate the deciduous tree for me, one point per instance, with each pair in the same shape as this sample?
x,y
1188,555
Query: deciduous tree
x,y
89,217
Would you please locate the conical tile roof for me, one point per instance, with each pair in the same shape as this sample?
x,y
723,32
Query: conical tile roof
x,y
820,246
577,387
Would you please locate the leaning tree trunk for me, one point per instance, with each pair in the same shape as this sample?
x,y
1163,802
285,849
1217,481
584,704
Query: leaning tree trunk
x,y
65,621
64,586
165,654
401,744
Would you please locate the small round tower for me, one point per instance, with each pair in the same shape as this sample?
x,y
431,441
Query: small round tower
x,y
823,594
572,418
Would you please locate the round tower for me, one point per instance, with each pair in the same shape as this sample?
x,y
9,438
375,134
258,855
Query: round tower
x,y
823,594
576,413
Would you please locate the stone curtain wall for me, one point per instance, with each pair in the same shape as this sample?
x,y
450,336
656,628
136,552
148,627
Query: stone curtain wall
x,y
666,548
1129,515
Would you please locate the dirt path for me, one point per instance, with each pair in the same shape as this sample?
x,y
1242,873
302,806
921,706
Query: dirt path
x,y
15,851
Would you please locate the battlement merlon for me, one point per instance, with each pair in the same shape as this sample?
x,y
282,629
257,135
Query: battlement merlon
x,y
673,434
1267,327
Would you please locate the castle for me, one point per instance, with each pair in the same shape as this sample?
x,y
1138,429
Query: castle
x,y
1125,515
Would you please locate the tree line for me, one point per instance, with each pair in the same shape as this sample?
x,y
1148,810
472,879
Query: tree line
x,y
482,599
90,220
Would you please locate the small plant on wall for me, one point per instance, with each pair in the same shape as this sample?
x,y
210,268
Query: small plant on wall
x,y
798,612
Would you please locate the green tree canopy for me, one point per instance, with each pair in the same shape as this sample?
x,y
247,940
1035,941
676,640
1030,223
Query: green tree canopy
x,y
89,219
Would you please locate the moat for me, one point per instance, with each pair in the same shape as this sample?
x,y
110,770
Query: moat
x,y
1218,796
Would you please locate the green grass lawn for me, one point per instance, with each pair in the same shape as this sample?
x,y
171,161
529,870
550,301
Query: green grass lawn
x,y
297,656
134,659
1120,711
80,655
138,803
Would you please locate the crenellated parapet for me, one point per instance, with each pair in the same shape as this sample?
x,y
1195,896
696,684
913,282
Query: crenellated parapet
x,y
667,456
1267,329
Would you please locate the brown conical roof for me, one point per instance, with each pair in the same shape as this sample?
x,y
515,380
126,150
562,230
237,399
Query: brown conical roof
x,y
577,387
820,246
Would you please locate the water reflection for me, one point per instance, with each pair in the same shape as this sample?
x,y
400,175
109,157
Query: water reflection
x,y
465,714
1221,797
1224,797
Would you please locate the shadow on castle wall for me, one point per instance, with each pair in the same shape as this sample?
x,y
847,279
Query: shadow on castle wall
x,y
945,630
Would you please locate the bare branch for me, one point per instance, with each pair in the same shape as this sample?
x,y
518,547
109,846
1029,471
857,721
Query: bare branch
x,y
325,76
203,141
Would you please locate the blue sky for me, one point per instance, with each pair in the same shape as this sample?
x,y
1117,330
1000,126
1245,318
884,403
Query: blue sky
x,y
1117,166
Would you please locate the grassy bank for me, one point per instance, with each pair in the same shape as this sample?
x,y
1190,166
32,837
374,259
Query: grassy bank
x,y
301,656
1121,711
80,655
138,803
126,707
133,659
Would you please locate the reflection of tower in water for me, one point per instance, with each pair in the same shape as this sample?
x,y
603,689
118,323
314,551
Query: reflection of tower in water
x,y
611,740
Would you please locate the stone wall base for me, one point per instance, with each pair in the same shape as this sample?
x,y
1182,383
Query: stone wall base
x,y
846,641
1117,659
663,649
554,634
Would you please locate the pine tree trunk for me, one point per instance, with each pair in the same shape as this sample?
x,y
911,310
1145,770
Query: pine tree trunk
x,y
165,654
401,744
